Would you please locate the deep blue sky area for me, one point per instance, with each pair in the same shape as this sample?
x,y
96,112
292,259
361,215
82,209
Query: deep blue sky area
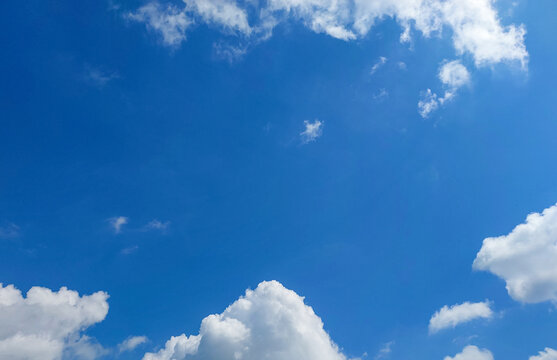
x,y
376,222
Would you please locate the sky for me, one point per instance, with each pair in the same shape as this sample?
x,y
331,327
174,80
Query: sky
x,y
278,179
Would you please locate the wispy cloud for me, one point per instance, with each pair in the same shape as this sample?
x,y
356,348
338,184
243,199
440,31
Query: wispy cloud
x,y
385,351
129,250
382,61
131,343
381,95
117,223
169,21
98,77
157,225
9,230
312,131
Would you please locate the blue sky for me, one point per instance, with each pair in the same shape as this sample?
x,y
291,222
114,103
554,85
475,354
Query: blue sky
x,y
160,158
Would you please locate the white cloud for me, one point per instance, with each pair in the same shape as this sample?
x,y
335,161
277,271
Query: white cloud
x,y
47,325
526,258
453,75
382,61
428,103
169,21
547,354
472,352
9,231
270,322
117,222
385,351
312,131
131,343
450,317
225,13
475,25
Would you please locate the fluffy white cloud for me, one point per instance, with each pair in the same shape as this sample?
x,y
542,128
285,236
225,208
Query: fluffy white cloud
x,y
472,352
312,131
270,322
454,74
450,317
46,325
117,222
131,343
475,25
526,258
170,21
547,354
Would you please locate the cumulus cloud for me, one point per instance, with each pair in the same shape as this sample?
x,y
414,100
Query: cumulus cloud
x,y
131,343
453,75
472,352
450,317
47,325
312,131
117,222
475,25
526,258
270,322
547,354
169,21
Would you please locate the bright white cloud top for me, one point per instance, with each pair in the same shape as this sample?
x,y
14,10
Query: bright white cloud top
x,y
450,317
270,322
47,325
475,25
547,354
472,352
526,258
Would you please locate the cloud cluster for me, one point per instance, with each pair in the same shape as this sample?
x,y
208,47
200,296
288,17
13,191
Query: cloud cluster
x,y
475,25
547,354
472,353
526,258
450,317
270,322
47,325
453,75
